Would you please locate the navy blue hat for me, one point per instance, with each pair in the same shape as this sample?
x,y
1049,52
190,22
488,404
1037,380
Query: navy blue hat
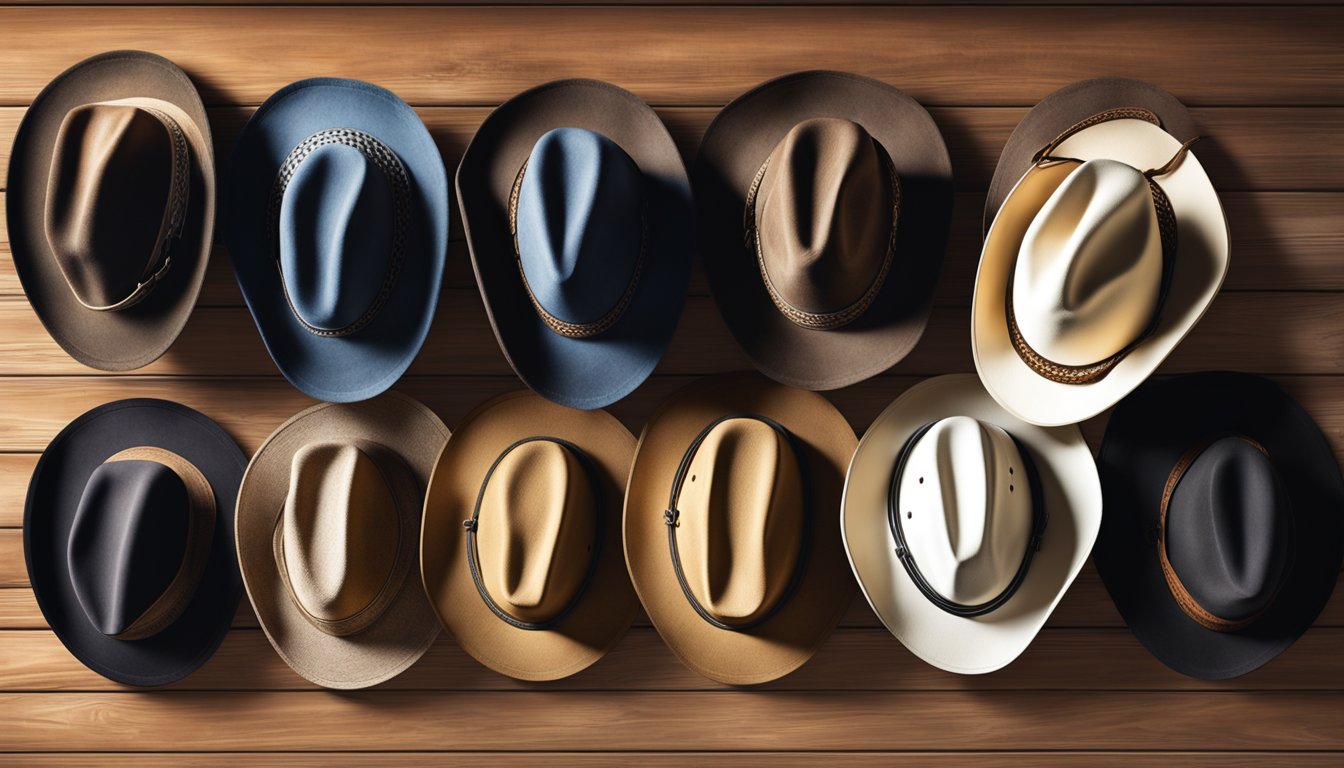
x,y
128,537
337,219
577,211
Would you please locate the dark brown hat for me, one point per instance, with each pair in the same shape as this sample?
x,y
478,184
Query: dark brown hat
x,y
824,203
111,207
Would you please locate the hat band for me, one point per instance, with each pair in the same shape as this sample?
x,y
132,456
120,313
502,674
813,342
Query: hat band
x,y
562,327
171,229
1186,601
822,321
196,555
386,160
672,518
1166,223
599,535
1039,519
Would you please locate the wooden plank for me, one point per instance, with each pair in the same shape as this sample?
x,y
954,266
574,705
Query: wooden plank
x,y
15,470
720,720
947,56
851,659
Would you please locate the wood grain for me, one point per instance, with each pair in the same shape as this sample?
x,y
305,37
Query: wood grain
x,y
700,56
846,759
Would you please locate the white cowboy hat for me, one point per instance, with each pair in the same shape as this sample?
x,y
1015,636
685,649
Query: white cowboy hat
x,y
965,525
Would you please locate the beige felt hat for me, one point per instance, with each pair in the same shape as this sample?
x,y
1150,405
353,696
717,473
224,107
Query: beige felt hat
x,y
328,538
965,525
1103,257
521,545
730,530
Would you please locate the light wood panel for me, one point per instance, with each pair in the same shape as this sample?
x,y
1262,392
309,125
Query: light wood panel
x,y
947,56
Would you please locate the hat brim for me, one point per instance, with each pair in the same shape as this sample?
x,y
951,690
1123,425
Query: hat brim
x,y
138,335
53,497
1146,436
597,371
363,364
1201,265
735,146
1069,106
1068,479
607,607
789,638
407,626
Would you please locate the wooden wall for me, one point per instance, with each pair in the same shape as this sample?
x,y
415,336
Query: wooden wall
x,y
1267,88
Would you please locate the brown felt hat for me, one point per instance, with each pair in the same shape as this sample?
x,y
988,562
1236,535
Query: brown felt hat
x,y
111,207
824,201
521,544
730,525
328,538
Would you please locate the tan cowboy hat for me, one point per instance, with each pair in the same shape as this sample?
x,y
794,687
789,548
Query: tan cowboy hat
x,y
328,538
111,207
965,525
730,530
521,545
824,201
1106,253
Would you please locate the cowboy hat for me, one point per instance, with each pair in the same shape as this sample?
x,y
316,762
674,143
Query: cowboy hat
x,y
824,203
729,532
111,207
521,543
1224,521
577,212
965,525
328,538
337,210
128,536
1105,254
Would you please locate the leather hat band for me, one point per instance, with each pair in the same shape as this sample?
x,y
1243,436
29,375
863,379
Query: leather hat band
x,y
386,160
672,517
822,321
599,535
1166,222
1039,519
562,327
1187,602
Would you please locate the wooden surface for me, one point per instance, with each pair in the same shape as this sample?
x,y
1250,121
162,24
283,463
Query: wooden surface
x,y
1267,87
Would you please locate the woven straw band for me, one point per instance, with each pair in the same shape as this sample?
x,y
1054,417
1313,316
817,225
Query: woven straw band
x,y
387,161
822,321
562,327
1166,223
1187,602
178,197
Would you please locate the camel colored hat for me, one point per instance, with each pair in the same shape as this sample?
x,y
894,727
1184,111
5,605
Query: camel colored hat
x,y
521,544
824,203
729,526
328,539
337,209
965,525
1106,253
577,211
111,207
1224,521
128,535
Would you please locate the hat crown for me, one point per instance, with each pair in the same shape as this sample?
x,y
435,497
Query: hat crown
x,y
336,225
112,175
127,541
536,530
1088,277
340,535
579,224
1229,529
824,215
739,532
966,509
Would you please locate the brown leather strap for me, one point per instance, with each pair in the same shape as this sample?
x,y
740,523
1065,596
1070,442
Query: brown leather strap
x,y
1187,602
